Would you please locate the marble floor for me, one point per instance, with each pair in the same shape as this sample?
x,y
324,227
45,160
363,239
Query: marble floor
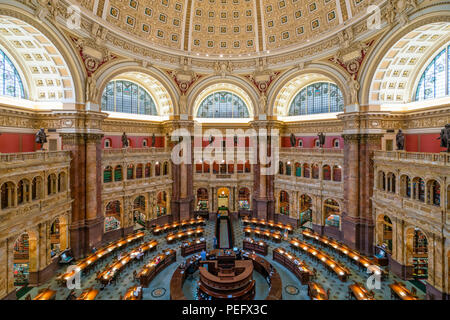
x,y
160,285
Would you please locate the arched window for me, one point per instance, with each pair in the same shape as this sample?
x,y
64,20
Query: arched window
x,y
128,97
298,169
165,168
337,173
148,170
223,104
157,169
118,173
320,97
336,143
107,143
130,172
139,171
434,193
10,83
306,171
418,189
288,168
434,82
280,168
315,171
107,175
7,195
326,172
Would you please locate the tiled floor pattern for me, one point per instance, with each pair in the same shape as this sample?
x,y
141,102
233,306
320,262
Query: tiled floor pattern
x,y
160,285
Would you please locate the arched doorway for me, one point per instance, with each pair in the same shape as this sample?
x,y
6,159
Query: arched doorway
x,y
244,199
55,235
139,216
284,202
202,199
161,204
417,252
223,195
384,233
305,212
332,213
21,260
112,216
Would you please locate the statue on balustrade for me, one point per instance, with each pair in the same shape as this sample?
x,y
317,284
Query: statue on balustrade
x,y
445,137
124,140
41,138
321,139
293,140
235,138
153,140
400,140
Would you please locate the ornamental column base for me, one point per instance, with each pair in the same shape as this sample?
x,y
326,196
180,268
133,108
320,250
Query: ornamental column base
x,y
182,209
358,234
402,271
264,209
435,294
10,296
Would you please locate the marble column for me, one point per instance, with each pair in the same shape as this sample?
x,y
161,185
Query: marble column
x,y
357,222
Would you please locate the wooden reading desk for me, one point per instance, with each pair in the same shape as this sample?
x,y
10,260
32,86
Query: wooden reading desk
x,y
270,223
89,262
155,266
180,235
341,271
46,294
117,266
398,289
299,268
358,291
88,294
316,291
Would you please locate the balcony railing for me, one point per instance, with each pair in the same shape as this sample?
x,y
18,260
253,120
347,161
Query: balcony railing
x,y
33,156
315,151
133,151
432,158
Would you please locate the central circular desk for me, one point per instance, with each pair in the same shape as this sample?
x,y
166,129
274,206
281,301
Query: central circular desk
x,y
227,282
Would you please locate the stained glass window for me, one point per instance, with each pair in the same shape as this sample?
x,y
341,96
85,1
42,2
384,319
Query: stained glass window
x,y
435,80
10,83
128,97
320,97
223,105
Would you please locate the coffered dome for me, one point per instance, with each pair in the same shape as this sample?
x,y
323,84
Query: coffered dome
x,y
227,28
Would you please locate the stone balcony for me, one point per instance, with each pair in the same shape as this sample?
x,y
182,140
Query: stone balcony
x,y
16,167
134,154
426,166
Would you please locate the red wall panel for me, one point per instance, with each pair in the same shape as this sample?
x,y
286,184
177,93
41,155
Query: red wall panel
x,y
17,142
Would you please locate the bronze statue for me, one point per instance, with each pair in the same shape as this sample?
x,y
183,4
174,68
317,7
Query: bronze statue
x,y
400,140
153,140
211,139
41,138
235,140
124,140
293,140
445,137
321,139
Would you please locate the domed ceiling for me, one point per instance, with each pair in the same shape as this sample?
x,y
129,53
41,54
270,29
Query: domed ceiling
x,y
227,28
